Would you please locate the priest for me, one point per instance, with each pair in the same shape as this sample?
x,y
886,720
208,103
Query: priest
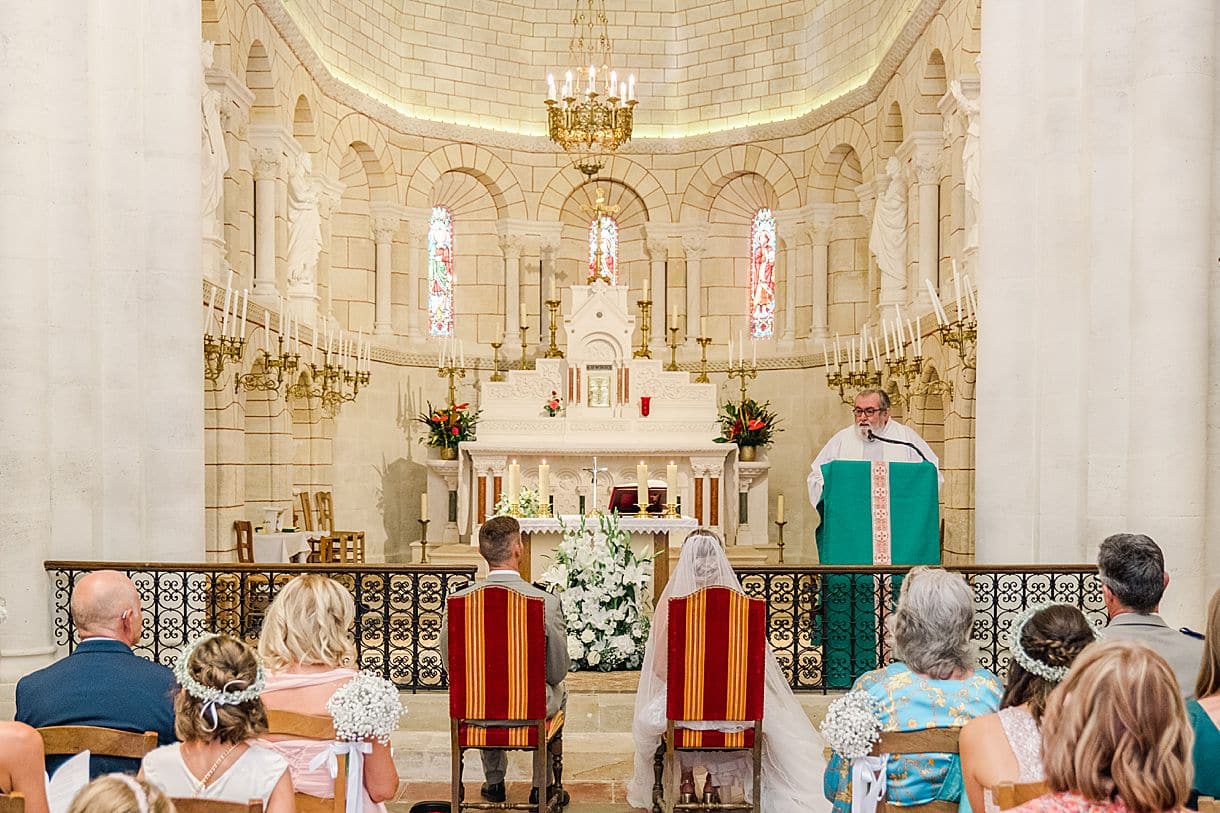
x,y
873,437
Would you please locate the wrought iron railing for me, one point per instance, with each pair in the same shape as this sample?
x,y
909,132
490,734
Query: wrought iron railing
x,y
398,608
826,623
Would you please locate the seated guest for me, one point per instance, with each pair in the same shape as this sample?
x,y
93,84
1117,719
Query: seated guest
x,y
102,683
1120,741
21,766
933,684
1204,709
1007,746
500,545
306,648
216,714
120,793
791,748
1133,579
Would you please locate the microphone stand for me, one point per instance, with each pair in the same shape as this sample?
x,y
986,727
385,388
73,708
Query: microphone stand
x,y
918,451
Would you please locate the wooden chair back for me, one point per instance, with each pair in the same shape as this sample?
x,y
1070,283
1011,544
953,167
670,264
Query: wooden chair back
x,y
1208,804
927,741
190,805
306,512
245,540
106,742
1008,795
326,511
311,727
12,803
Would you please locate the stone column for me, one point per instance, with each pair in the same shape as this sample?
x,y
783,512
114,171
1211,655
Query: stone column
x,y
330,192
819,238
510,245
385,223
785,267
925,164
417,270
694,243
658,255
266,164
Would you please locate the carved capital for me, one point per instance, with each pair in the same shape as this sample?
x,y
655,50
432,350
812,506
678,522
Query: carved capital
x,y
658,249
926,166
694,244
510,244
384,227
265,163
330,192
822,218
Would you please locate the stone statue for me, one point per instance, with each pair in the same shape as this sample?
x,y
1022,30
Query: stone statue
x,y
970,150
304,223
888,237
215,156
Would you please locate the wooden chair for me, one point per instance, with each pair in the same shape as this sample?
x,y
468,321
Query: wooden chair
x,y
1008,795
326,511
926,741
245,540
306,512
12,803
1208,804
490,628
189,805
69,740
310,727
717,652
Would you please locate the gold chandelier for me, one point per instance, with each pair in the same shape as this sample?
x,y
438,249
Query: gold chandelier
x,y
588,117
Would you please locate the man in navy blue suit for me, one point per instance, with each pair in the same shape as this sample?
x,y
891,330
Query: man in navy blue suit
x,y
102,683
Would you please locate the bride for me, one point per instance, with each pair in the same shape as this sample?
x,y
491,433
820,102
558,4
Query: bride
x,y
791,749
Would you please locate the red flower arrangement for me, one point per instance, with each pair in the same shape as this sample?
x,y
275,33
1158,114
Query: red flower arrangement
x,y
553,404
748,424
449,426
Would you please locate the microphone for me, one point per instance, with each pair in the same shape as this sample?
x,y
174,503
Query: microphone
x,y
897,442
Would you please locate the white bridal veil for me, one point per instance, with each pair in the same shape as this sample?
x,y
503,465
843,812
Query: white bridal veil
x,y
792,751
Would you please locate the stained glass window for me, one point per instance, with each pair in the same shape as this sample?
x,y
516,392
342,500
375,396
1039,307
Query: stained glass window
x,y
603,231
440,273
762,275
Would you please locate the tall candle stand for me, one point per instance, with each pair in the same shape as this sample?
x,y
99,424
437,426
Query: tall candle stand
x,y
496,375
453,371
745,373
962,335
780,524
262,381
702,378
851,381
673,350
645,306
553,352
423,541
216,349
524,329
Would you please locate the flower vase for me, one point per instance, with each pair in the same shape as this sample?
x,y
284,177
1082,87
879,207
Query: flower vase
x,y
448,453
747,454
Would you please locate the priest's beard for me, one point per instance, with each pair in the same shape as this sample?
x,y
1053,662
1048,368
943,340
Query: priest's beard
x,y
863,428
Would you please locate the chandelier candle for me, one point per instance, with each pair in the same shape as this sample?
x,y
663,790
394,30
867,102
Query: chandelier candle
x,y
641,486
514,483
544,484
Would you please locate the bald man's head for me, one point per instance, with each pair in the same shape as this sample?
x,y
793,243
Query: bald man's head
x,y
105,603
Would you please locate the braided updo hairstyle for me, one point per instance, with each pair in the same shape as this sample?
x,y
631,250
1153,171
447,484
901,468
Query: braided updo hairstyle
x,y
1054,636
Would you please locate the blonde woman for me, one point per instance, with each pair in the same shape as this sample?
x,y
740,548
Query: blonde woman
x,y
1117,739
216,716
120,793
308,654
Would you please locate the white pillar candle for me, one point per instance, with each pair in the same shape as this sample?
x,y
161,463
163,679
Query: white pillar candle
x,y
514,482
211,314
641,485
245,306
702,327
646,288
779,508
423,507
671,483
825,352
957,294
224,319
971,299
836,350
673,317
544,484
553,297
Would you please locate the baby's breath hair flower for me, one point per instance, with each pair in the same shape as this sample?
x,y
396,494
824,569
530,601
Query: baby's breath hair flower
x,y
211,695
1028,662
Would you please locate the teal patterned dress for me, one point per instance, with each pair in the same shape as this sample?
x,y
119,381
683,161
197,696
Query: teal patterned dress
x,y
906,701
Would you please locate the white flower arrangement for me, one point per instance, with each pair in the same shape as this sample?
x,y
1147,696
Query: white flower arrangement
x,y
3,611
210,695
529,504
851,725
366,707
603,592
1053,674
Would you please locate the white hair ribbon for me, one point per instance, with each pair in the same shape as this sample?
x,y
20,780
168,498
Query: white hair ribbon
x,y
355,751
868,776
136,789
209,705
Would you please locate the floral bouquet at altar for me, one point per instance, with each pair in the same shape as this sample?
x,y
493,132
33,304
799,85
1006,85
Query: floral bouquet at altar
x,y
602,585
449,426
529,504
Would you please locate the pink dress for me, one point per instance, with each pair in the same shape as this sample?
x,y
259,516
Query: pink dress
x,y
300,753
1070,803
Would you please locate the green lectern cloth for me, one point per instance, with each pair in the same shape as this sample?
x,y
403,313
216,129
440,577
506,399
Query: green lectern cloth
x,y
872,513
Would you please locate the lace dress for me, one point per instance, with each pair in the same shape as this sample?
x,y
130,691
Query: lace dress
x,y
1025,740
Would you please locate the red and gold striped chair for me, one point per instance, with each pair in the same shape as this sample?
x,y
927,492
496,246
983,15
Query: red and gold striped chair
x,y
717,657
497,671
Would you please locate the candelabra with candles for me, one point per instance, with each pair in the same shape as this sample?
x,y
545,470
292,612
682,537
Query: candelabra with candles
x,y
334,382
852,377
673,350
282,363
453,371
744,372
962,335
703,342
496,375
553,352
217,350
645,306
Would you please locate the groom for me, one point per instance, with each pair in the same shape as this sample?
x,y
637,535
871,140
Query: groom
x,y
500,545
